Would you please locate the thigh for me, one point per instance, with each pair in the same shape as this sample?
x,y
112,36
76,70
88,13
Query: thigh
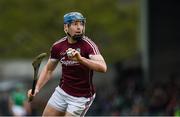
x,y
50,111
57,100
78,106
56,104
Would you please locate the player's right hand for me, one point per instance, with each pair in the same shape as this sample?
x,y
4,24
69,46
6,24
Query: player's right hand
x,y
29,94
73,54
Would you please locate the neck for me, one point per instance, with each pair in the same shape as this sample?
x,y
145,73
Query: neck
x,y
71,41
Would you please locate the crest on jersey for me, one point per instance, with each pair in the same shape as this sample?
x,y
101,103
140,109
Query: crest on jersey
x,y
79,50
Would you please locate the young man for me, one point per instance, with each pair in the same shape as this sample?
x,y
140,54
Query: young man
x,y
79,56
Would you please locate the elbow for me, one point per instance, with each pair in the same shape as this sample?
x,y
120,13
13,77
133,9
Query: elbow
x,y
104,69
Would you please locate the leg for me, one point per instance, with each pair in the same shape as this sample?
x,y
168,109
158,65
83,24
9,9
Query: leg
x,y
56,105
78,106
50,111
68,114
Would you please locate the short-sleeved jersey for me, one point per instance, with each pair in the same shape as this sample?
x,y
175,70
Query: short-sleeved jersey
x,y
76,78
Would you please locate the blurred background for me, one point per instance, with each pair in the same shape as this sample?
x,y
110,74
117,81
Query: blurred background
x,y
139,40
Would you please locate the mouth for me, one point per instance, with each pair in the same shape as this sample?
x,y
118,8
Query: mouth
x,y
78,32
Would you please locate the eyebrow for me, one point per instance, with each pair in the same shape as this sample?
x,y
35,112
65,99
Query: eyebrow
x,y
78,21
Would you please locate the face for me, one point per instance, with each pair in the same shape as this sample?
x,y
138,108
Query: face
x,y
75,28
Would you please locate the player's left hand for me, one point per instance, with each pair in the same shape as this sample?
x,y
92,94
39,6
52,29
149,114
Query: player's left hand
x,y
73,54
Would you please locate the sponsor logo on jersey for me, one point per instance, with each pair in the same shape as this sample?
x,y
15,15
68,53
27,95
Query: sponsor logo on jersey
x,y
68,62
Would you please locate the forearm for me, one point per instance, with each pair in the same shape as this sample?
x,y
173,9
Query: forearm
x,y
99,66
43,78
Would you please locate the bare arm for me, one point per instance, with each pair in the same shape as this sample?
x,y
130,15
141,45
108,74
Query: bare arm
x,y
46,73
96,62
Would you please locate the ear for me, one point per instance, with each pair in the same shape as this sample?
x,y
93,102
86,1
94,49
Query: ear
x,y
65,28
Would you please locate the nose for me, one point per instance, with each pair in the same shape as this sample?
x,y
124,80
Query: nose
x,y
78,27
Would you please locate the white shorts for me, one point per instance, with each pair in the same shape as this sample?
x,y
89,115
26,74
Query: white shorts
x,y
77,106
18,110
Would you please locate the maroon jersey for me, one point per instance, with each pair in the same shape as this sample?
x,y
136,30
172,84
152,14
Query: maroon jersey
x,y
76,78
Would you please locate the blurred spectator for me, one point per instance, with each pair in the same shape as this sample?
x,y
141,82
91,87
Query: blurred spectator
x,y
20,106
133,98
172,92
5,104
158,101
